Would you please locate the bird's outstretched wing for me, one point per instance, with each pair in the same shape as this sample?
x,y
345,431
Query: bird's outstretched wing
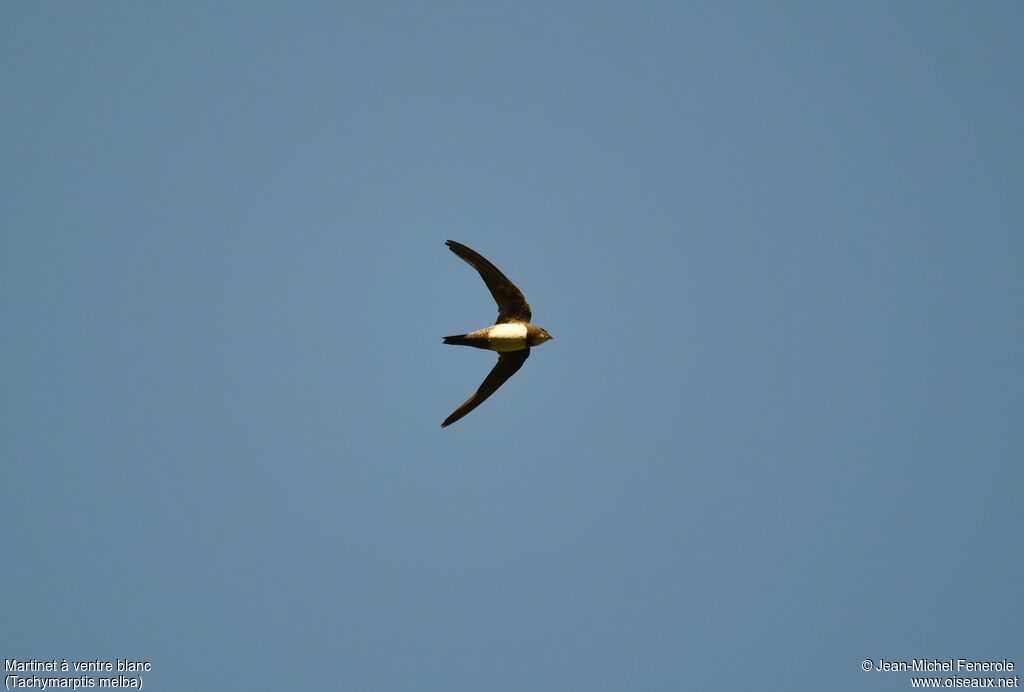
x,y
512,305
507,365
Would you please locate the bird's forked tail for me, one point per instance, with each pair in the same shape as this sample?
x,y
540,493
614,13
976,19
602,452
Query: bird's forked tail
x,y
458,340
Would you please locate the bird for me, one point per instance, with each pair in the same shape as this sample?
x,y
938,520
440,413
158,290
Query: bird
x,y
512,335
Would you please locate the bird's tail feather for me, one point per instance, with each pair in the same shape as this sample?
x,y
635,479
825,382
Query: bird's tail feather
x,y
457,340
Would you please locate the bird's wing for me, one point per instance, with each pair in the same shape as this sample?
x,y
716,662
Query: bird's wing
x,y
512,305
507,365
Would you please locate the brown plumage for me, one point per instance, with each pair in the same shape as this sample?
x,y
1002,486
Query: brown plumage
x,y
511,335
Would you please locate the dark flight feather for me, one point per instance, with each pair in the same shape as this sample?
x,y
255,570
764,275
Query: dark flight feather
x,y
512,305
507,365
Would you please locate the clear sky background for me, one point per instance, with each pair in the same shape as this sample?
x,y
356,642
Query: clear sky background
x,y
779,429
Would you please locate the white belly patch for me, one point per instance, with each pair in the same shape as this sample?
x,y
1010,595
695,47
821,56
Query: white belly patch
x,y
507,337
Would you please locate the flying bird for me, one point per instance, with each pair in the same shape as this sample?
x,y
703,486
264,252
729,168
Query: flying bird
x,y
511,336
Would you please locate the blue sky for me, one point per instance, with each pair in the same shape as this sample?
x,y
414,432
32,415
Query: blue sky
x,y
778,431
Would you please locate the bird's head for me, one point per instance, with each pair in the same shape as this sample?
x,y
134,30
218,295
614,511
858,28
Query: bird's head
x,y
540,336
